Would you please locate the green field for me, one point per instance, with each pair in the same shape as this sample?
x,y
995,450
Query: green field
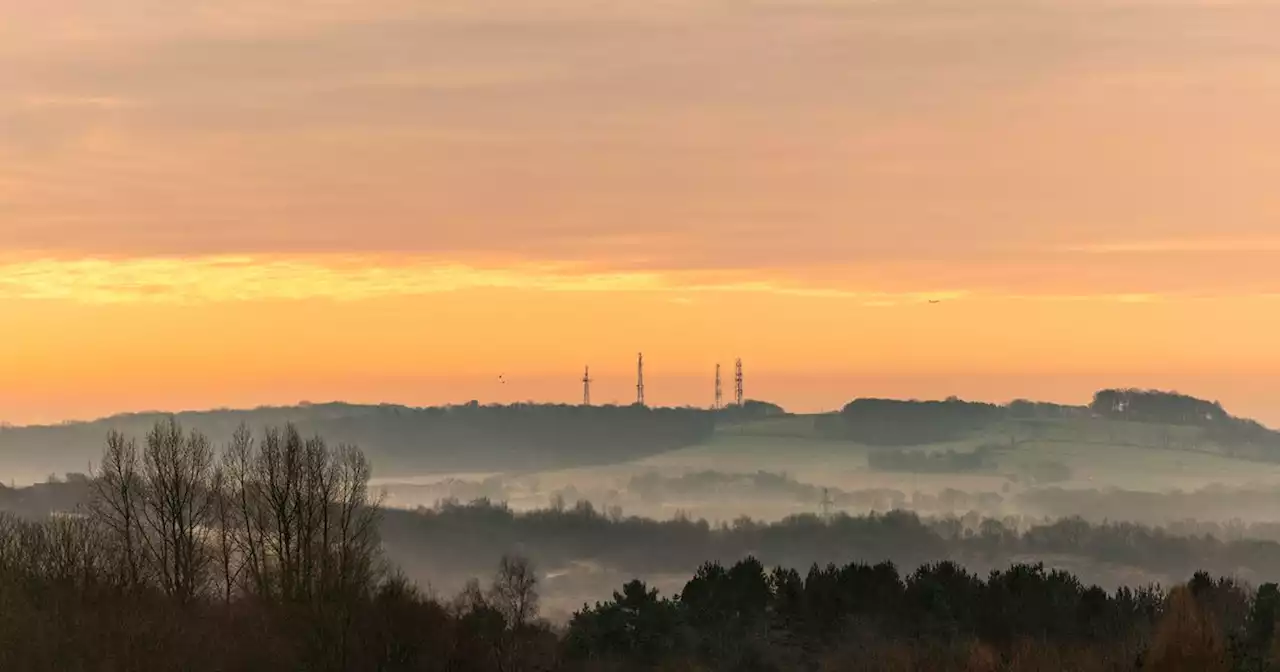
x,y
1098,453
1083,454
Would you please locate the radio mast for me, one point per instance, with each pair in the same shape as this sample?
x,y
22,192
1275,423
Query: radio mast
x,y
586,386
719,391
640,379
737,381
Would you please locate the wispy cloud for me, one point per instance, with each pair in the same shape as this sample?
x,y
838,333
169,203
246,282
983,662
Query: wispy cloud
x,y
234,278
689,134
40,102
1183,246
347,278
1106,297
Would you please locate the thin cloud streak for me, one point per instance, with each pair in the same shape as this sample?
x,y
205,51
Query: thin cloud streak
x,y
801,131
1190,246
101,102
353,278
346,278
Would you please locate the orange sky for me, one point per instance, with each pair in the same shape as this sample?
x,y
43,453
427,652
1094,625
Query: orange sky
x,y
227,205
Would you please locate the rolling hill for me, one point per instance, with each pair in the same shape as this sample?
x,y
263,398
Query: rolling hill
x,y
1188,437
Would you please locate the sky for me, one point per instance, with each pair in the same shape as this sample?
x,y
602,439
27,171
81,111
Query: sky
x,y
240,203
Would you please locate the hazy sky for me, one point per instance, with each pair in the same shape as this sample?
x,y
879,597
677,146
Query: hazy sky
x,y
236,202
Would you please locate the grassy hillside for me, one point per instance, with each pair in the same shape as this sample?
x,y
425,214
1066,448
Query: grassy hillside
x,y
1094,453
1132,439
779,467
399,439
1137,418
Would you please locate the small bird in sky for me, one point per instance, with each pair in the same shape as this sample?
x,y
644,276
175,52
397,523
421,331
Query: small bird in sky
x,y
935,301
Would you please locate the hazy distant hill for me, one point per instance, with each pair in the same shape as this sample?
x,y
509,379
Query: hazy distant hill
x,y
399,439
1149,418
403,440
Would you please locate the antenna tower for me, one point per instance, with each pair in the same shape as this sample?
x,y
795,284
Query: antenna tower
x,y
737,381
640,379
826,504
719,390
586,386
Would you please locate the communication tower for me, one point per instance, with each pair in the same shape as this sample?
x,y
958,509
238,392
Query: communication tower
x,y
719,390
737,381
640,379
586,386
826,504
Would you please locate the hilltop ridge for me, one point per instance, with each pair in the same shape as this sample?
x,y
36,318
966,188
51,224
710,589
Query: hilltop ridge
x,y
472,437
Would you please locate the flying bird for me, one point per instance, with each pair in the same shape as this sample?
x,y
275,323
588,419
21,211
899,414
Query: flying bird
x,y
935,301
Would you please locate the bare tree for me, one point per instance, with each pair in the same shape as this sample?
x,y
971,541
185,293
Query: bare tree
x,y
178,504
285,519
302,522
515,591
356,530
116,505
469,600
229,559
243,491
307,528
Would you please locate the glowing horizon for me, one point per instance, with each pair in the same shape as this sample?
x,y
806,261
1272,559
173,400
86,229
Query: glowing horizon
x,y
388,200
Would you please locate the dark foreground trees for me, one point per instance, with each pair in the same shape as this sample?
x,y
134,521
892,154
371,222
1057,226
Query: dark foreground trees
x,y
264,556
65,608
281,519
940,617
